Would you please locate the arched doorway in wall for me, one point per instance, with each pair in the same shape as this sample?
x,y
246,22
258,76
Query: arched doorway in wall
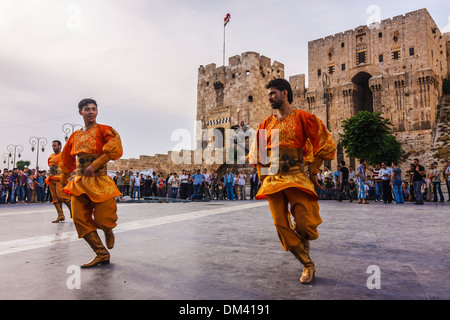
x,y
363,99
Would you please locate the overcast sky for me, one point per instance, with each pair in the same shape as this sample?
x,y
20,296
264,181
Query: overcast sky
x,y
139,58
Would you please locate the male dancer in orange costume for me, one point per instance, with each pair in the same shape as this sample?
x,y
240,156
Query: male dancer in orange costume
x,y
54,183
302,140
92,191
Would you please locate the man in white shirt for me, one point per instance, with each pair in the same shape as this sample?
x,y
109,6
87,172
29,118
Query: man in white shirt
x,y
385,174
184,179
241,184
351,173
136,182
174,181
328,173
436,182
378,183
206,184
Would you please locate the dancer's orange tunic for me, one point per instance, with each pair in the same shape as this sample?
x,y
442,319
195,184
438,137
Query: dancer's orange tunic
x,y
100,139
299,130
53,160
93,198
54,181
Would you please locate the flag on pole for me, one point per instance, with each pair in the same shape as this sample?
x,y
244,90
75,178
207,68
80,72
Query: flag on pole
x,y
227,19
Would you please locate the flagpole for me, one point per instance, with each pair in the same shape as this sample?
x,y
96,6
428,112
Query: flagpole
x,y
224,44
225,22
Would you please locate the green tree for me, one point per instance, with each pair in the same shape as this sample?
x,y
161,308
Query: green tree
x,y
367,135
22,164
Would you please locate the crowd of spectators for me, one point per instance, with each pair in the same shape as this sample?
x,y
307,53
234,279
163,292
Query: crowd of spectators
x,y
24,186
189,184
380,183
384,183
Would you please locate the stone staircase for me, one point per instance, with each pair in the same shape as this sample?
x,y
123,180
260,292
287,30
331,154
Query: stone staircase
x,y
441,138
436,147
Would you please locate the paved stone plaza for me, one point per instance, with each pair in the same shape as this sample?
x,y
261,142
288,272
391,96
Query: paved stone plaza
x,y
229,251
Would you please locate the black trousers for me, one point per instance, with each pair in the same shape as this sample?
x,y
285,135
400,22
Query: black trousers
x,y
387,191
345,185
183,190
253,190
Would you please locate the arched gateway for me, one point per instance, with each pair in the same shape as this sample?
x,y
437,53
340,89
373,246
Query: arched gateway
x,y
363,99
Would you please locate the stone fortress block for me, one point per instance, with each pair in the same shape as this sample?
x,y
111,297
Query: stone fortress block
x,y
396,67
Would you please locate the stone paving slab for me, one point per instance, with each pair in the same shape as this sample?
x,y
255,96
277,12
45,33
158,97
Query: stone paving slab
x,y
229,251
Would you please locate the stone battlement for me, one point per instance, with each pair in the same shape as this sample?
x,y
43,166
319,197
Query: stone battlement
x,y
417,14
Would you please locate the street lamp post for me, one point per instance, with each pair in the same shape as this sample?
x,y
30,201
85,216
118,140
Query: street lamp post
x,y
40,143
6,157
327,102
326,97
69,128
14,149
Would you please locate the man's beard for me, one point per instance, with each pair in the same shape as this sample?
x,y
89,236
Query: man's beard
x,y
276,105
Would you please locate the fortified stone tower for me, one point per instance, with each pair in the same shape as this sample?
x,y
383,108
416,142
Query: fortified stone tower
x,y
230,94
396,67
